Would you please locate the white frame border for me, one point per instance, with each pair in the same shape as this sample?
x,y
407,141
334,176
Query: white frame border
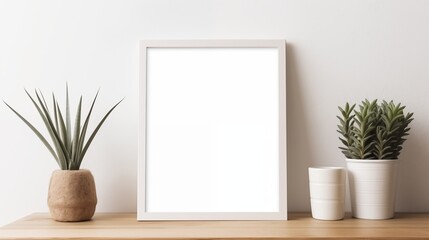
x,y
142,215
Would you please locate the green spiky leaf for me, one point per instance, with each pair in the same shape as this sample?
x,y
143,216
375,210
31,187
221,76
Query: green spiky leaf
x,y
69,148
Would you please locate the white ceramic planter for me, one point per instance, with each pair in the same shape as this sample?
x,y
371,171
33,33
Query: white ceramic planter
x,y
327,192
372,187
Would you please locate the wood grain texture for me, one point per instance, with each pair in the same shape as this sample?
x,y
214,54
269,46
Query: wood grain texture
x,y
300,226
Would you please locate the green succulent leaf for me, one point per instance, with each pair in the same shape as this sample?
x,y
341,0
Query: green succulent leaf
x,y
375,131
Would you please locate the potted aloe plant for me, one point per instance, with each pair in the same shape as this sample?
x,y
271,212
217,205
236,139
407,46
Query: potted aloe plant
x,y
72,195
372,138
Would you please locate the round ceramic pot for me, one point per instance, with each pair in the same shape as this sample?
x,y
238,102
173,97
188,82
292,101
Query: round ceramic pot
x,y
372,187
72,196
327,192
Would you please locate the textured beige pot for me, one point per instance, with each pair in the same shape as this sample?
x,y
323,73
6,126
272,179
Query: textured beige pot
x,y
72,196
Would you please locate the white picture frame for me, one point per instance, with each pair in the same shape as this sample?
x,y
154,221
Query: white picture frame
x,y
212,130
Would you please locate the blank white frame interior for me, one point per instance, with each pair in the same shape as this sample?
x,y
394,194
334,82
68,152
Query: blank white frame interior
x,y
212,134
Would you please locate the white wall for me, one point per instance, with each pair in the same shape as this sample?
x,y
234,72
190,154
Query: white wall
x,y
337,51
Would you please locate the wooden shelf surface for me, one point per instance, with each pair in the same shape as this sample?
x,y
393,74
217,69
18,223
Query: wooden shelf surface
x,y
300,226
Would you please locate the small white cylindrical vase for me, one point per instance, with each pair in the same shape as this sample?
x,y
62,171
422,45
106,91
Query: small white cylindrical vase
x,y
327,192
372,187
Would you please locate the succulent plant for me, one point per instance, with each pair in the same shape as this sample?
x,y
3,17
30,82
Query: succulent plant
x,y
374,131
69,146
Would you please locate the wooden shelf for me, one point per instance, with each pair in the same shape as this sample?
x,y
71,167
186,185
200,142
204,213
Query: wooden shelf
x,y
300,226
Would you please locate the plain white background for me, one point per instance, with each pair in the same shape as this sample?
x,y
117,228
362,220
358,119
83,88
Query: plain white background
x,y
337,51
212,130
